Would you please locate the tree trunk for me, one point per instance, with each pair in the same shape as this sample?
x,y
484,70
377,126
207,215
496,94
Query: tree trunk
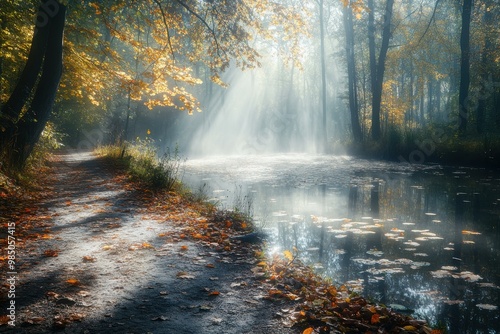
x,y
377,68
323,74
11,110
464,67
486,61
351,75
30,126
373,69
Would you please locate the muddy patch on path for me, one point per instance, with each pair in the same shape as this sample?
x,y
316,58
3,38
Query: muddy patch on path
x,y
106,266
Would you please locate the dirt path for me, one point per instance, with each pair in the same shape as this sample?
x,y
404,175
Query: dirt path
x,y
106,267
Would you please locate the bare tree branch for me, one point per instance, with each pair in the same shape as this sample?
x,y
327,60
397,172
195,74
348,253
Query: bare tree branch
x,y
212,31
430,22
166,27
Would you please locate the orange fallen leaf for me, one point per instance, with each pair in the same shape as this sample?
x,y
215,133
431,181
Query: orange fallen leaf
x,y
73,281
375,319
51,253
214,293
210,265
184,248
88,259
244,225
146,245
4,320
68,203
308,330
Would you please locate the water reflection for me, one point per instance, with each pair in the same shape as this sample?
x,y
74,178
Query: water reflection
x,y
425,239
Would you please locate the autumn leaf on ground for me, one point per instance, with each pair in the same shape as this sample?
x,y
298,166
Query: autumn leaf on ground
x,y
214,293
76,317
375,319
146,245
51,253
88,259
308,330
184,248
210,265
184,275
68,203
4,320
288,255
73,281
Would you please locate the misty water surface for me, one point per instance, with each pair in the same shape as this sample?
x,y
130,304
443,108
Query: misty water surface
x,y
388,230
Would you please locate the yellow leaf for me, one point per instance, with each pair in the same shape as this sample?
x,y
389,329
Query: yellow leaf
x,y
288,255
262,264
375,319
308,330
409,328
148,132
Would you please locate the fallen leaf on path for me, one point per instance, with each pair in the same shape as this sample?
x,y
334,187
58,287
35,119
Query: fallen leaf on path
x,y
107,247
88,259
73,281
51,253
308,330
83,293
76,317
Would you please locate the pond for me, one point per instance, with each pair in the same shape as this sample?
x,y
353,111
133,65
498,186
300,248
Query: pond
x,y
425,239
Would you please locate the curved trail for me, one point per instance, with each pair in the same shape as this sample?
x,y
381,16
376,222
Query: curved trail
x,y
104,267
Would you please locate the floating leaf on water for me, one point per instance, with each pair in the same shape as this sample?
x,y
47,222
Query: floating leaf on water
x,y
434,238
409,224
184,275
375,252
412,243
487,307
420,264
453,302
403,261
422,239
449,268
391,235
466,232
440,273
420,231
429,234
421,254
430,214
469,276
363,232
397,230
436,221
368,262
449,248
468,242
